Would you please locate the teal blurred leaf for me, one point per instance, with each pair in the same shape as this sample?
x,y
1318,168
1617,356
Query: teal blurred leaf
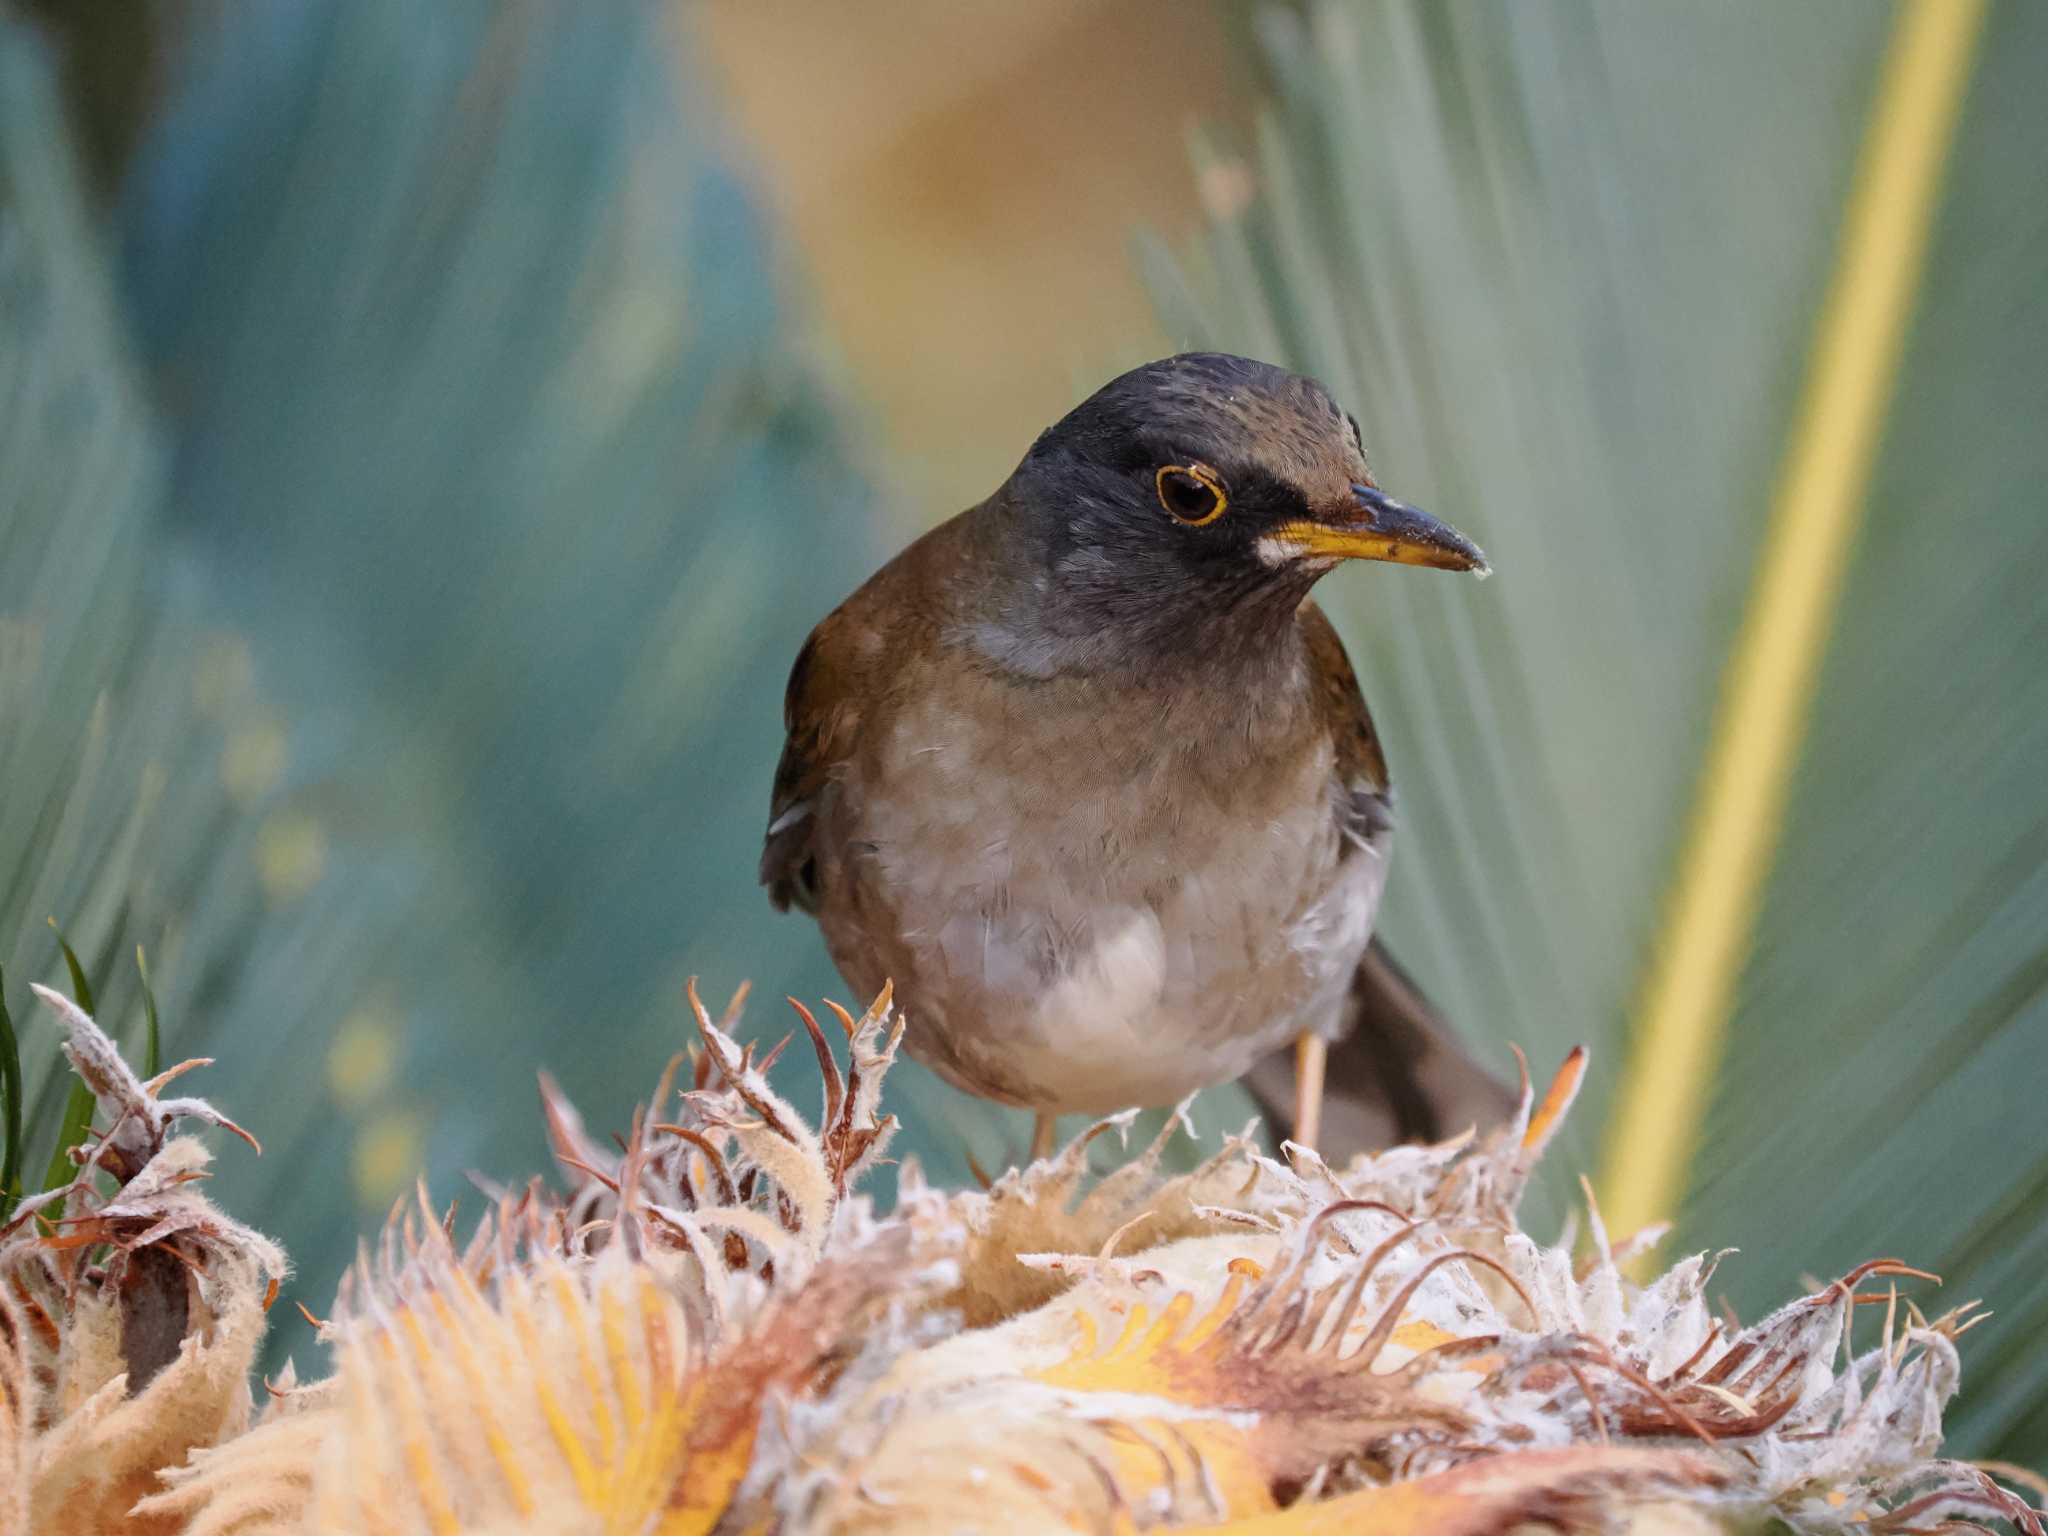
x,y
125,710
489,432
1563,260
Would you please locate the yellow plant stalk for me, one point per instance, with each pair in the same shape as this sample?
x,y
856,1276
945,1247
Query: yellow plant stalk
x,y
1774,669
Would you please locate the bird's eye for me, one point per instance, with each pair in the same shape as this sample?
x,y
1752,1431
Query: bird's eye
x,y
1193,493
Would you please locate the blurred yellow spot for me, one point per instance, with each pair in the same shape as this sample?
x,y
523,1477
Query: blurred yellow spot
x,y
386,1154
224,673
291,852
1421,1334
1227,188
253,761
363,1057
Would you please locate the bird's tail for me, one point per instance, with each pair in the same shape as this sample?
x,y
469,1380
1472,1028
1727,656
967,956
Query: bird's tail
x,y
1397,1074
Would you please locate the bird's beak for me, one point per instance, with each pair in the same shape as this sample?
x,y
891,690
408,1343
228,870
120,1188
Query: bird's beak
x,y
1377,527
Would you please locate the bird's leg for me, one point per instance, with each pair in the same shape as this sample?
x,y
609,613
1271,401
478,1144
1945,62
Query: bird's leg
x,y
1041,1137
1311,1052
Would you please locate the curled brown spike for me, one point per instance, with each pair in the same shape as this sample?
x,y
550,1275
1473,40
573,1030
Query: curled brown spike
x,y
712,1156
1738,1352
828,1064
172,1106
735,1073
1693,1359
1846,1286
1390,1315
1592,1399
155,1085
1322,1306
705,1027
846,1020
1355,1291
879,1007
1744,1385
1437,1356
1282,1284
633,1170
1772,1409
1598,1354
1289,1323
580,1166
775,1055
1987,1496
1525,1098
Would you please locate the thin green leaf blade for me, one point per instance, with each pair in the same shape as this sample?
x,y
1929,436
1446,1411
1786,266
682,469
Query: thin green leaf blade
x,y
81,988
78,1107
152,1056
10,1108
71,1130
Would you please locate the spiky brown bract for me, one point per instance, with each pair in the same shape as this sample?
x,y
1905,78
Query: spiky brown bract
x,y
130,1309
710,1330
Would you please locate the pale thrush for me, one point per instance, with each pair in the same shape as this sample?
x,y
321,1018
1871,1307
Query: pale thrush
x,y
1087,775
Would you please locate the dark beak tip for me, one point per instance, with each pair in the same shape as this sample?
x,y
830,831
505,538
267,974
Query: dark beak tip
x,y
1383,514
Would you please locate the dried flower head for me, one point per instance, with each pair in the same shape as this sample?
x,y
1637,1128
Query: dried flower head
x,y
709,1328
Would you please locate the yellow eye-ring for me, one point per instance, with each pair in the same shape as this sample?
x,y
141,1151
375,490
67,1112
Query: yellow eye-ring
x,y
1192,493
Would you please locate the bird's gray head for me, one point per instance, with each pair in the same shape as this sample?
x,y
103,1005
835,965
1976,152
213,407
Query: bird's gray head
x,y
1203,493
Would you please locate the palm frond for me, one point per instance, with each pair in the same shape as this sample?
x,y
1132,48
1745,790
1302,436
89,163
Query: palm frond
x,y
1566,259
476,296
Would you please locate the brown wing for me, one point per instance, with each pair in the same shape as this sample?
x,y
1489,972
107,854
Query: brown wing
x,y
1397,1072
1364,797
819,717
842,680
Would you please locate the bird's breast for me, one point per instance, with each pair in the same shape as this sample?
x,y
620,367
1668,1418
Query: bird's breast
x,y
1087,901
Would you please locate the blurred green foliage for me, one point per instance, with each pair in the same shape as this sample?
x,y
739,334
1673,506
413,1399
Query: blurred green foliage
x,y
108,758
450,378
1564,258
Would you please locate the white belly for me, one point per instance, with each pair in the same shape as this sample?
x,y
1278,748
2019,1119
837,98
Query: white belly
x,y
1062,943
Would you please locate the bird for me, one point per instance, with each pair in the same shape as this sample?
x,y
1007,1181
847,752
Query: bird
x,y
1086,774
